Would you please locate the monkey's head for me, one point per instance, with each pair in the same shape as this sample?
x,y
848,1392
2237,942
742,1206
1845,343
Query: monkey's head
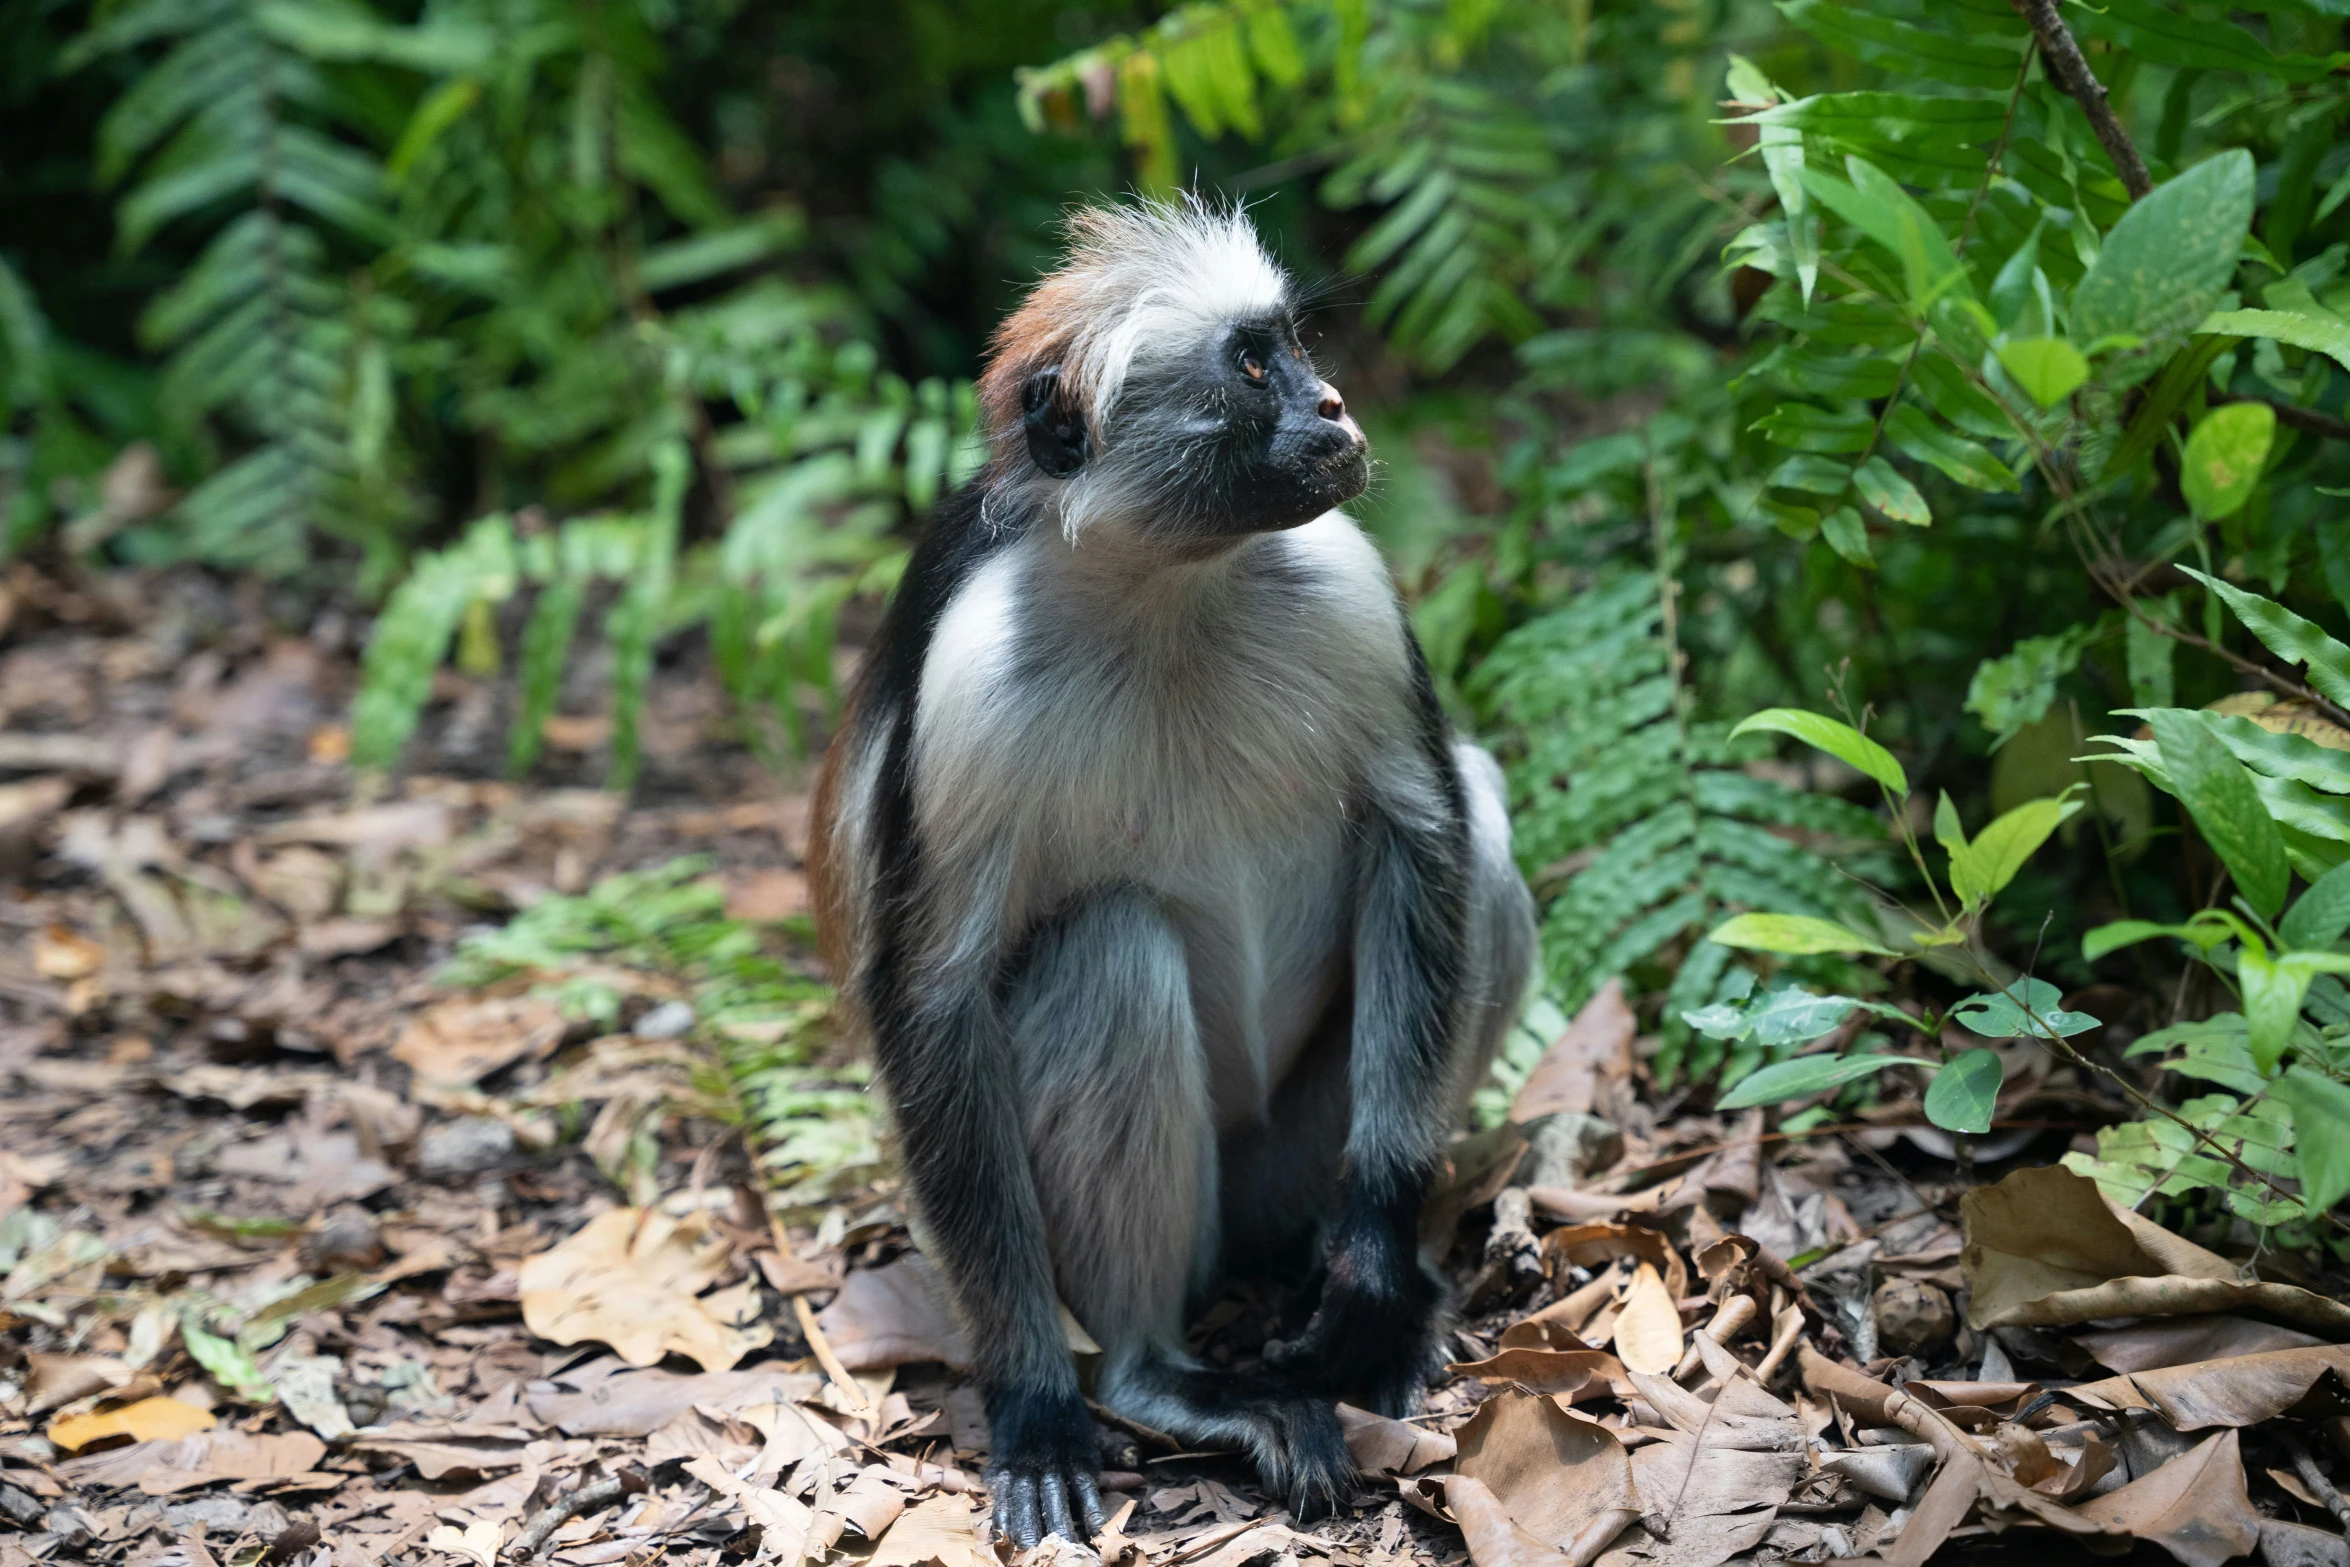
x,y
1157,380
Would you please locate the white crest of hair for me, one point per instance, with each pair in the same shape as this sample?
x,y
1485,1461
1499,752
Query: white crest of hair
x,y
1160,274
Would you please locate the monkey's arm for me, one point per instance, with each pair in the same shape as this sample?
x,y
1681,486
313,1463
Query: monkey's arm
x,y
1372,1340
940,1041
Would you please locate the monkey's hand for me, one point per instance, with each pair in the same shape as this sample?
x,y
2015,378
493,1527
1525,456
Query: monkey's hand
x,y
1042,1468
1372,1340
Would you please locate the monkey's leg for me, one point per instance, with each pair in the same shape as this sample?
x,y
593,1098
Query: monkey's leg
x,y
1443,947
1122,1143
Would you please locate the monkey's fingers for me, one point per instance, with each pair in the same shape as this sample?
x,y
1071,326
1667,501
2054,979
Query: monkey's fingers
x,y
1089,1503
1015,1510
1053,1491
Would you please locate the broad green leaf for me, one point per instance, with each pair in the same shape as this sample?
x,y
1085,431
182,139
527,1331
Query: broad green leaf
x,y
2274,989
2219,794
2049,369
2161,269
1784,1080
1881,209
1883,486
2027,1009
2001,849
1963,1095
1817,475
1804,428
1848,536
232,1367
2319,916
1916,435
1839,740
1948,831
2287,635
1903,47
2166,35
2125,933
2321,1134
2328,335
2281,753
2224,455
2215,1050
1794,934
1788,1015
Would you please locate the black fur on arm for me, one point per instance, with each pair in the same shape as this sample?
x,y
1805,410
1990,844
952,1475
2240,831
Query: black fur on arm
x,y
944,1060
1373,1340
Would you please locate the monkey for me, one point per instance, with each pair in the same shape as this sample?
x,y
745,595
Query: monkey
x,y
1181,923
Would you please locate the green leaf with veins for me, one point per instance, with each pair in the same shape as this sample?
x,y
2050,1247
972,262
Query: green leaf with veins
x,y
2219,794
1963,1095
1840,740
1783,1080
2027,1009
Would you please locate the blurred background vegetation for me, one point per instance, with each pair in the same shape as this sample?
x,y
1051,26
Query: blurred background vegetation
x,y
1721,355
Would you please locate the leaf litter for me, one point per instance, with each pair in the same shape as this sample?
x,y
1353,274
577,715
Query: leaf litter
x,y
316,1248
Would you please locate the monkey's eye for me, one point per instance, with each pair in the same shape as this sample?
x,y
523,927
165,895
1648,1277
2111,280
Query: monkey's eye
x,y
1252,366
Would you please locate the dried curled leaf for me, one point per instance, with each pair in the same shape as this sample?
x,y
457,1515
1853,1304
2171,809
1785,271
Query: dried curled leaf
x,y
632,1279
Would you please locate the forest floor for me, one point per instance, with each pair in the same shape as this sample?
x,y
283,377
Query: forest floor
x,y
308,1255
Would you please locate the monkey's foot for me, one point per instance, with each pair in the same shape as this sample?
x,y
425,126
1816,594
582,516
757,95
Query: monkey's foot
x,y
1043,1468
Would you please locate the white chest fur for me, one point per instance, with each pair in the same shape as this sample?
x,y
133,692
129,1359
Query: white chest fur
x,y
1206,731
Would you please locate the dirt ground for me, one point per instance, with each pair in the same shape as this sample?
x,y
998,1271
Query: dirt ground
x,y
309,1255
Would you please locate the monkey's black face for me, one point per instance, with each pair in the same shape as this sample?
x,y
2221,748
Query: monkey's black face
x,y
1286,450
1239,437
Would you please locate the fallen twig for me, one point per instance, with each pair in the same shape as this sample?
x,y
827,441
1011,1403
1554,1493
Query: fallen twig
x,y
821,1348
593,1497
2314,1478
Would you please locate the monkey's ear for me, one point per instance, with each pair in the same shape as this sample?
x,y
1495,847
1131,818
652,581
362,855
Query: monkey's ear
x,y
1057,438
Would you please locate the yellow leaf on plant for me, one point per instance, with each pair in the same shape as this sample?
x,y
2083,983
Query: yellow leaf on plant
x,y
149,1420
630,1278
1648,1329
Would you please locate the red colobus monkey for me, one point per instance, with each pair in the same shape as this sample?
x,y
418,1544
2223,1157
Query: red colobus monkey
x,y
1182,923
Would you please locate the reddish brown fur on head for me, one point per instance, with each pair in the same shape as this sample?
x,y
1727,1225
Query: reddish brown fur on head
x,y
1134,276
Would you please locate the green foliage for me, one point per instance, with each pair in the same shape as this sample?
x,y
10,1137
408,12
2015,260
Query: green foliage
x,y
757,1021
1636,823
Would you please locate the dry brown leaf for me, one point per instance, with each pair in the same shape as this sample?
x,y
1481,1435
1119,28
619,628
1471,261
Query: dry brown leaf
x,y
212,1456
60,953
1588,1245
893,1316
2045,1249
2183,1341
462,1042
2195,1506
1495,1540
1562,1480
478,1542
1391,1447
1712,1488
938,1533
1648,1330
1595,1049
785,1520
60,1379
157,1419
2239,1392
1576,1375
630,1278
601,1400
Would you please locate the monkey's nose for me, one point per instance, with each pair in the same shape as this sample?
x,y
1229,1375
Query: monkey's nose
x,y
1332,406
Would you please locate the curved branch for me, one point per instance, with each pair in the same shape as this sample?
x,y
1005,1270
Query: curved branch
x,y
2072,73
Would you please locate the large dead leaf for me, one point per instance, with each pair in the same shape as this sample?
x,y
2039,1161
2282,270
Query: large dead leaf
x,y
2183,1341
1390,1447
1589,1245
1596,1049
632,1279
148,1420
212,1456
1576,1375
2194,1507
2239,1392
1562,1480
1712,1488
894,1316
462,1042
2044,1248
1648,1329
936,1534
599,1400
